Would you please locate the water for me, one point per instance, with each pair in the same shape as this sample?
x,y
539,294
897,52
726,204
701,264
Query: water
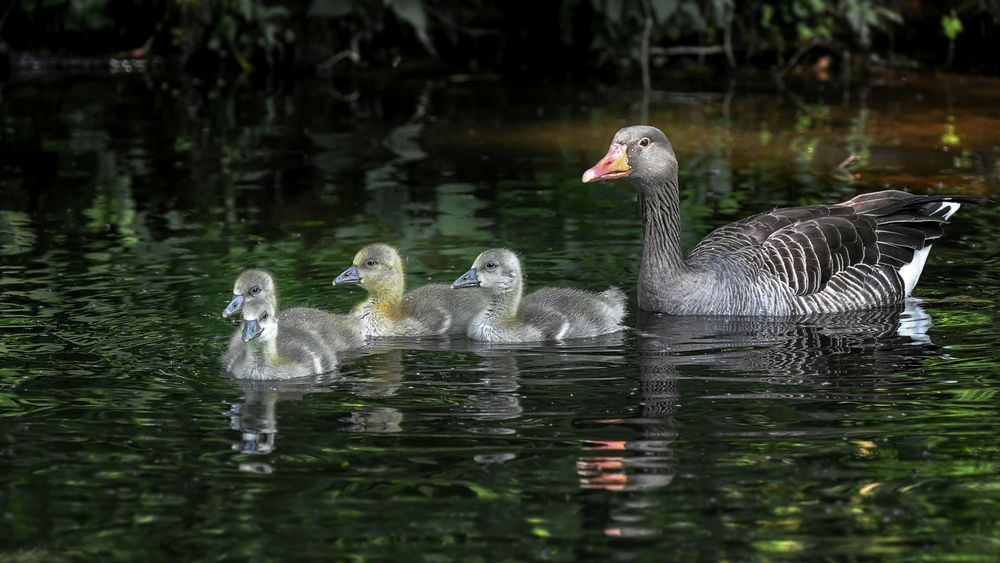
x,y
128,205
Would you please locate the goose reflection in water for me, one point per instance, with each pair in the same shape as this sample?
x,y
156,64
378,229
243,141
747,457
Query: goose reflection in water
x,y
842,352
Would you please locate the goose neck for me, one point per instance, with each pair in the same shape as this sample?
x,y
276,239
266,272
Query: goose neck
x,y
504,304
659,202
261,351
388,301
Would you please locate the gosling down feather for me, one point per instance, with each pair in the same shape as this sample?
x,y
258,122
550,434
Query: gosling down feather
x,y
390,310
552,313
256,286
267,346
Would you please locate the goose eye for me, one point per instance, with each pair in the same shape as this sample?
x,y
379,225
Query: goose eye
x,y
255,290
263,317
490,265
370,263
644,142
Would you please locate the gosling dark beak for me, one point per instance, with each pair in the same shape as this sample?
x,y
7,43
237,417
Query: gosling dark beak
x,y
350,275
251,330
468,279
234,306
613,165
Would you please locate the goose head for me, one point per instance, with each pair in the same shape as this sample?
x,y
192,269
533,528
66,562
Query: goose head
x,y
252,285
641,153
377,268
497,269
259,321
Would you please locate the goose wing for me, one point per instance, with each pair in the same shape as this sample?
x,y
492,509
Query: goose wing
x,y
806,247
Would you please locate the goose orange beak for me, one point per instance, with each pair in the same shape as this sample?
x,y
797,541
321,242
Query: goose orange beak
x,y
614,165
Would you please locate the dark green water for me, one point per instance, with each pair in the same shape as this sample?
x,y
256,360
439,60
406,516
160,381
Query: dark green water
x,y
127,208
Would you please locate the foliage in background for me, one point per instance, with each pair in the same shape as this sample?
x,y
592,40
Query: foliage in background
x,y
541,38
951,26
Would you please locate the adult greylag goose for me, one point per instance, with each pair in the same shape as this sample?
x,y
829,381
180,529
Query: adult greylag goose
x,y
390,310
864,253
551,313
256,286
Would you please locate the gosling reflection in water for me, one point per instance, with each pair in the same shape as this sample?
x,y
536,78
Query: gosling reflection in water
x,y
826,358
255,415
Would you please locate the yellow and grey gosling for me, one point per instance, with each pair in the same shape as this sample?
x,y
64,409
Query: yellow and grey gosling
x,y
268,347
257,286
864,253
390,310
552,313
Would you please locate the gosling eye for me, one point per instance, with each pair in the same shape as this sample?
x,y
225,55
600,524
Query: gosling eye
x,y
263,317
644,142
255,290
490,265
370,263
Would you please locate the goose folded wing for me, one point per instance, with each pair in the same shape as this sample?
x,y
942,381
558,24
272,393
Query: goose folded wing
x,y
754,230
807,254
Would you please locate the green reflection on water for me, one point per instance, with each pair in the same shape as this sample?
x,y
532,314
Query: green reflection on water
x,y
126,218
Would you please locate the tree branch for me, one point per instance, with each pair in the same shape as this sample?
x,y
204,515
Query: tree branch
x,y
687,50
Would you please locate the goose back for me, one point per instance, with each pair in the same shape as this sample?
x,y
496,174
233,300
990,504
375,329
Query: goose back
x,y
438,309
561,312
866,252
552,313
341,332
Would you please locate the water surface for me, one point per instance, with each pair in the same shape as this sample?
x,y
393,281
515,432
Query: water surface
x,y
129,204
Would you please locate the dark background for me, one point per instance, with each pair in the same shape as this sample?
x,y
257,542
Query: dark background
x,y
557,41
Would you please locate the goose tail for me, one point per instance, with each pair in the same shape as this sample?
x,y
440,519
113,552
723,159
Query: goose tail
x,y
906,227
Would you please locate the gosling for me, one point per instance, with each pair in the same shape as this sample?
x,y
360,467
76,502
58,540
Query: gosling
x,y
390,310
552,313
257,286
259,350
251,285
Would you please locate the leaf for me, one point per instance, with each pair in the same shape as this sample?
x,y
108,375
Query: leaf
x,y
330,8
765,15
412,12
721,9
276,12
890,15
541,532
951,25
614,11
855,19
692,12
664,9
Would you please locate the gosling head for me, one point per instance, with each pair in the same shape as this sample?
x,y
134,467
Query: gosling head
x,y
259,321
252,285
640,152
376,267
497,269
